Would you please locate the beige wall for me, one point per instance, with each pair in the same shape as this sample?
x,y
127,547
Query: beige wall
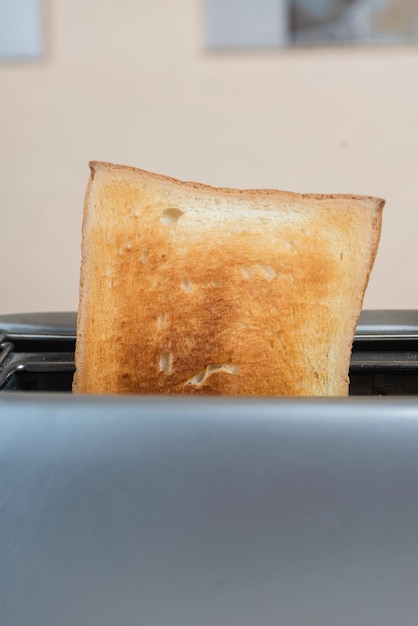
x,y
129,81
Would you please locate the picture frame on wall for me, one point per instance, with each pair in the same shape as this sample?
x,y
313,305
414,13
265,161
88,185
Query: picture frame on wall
x,y
286,23
353,21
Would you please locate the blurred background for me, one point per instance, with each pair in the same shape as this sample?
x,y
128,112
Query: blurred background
x,y
310,96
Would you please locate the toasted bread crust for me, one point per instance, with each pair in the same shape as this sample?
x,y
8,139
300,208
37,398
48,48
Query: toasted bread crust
x,y
190,289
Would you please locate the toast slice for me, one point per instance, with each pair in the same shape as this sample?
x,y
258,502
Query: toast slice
x,y
189,289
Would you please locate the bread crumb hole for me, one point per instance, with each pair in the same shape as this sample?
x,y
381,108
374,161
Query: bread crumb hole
x,y
161,321
166,362
216,282
268,272
187,285
170,216
248,272
198,379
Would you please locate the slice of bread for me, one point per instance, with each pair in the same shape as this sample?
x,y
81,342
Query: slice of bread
x,y
189,289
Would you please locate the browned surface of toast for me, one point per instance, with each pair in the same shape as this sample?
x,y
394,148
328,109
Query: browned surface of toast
x,y
189,289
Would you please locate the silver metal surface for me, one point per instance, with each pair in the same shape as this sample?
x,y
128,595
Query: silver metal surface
x,y
388,325
388,360
39,363
38,325
6,348
168,512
